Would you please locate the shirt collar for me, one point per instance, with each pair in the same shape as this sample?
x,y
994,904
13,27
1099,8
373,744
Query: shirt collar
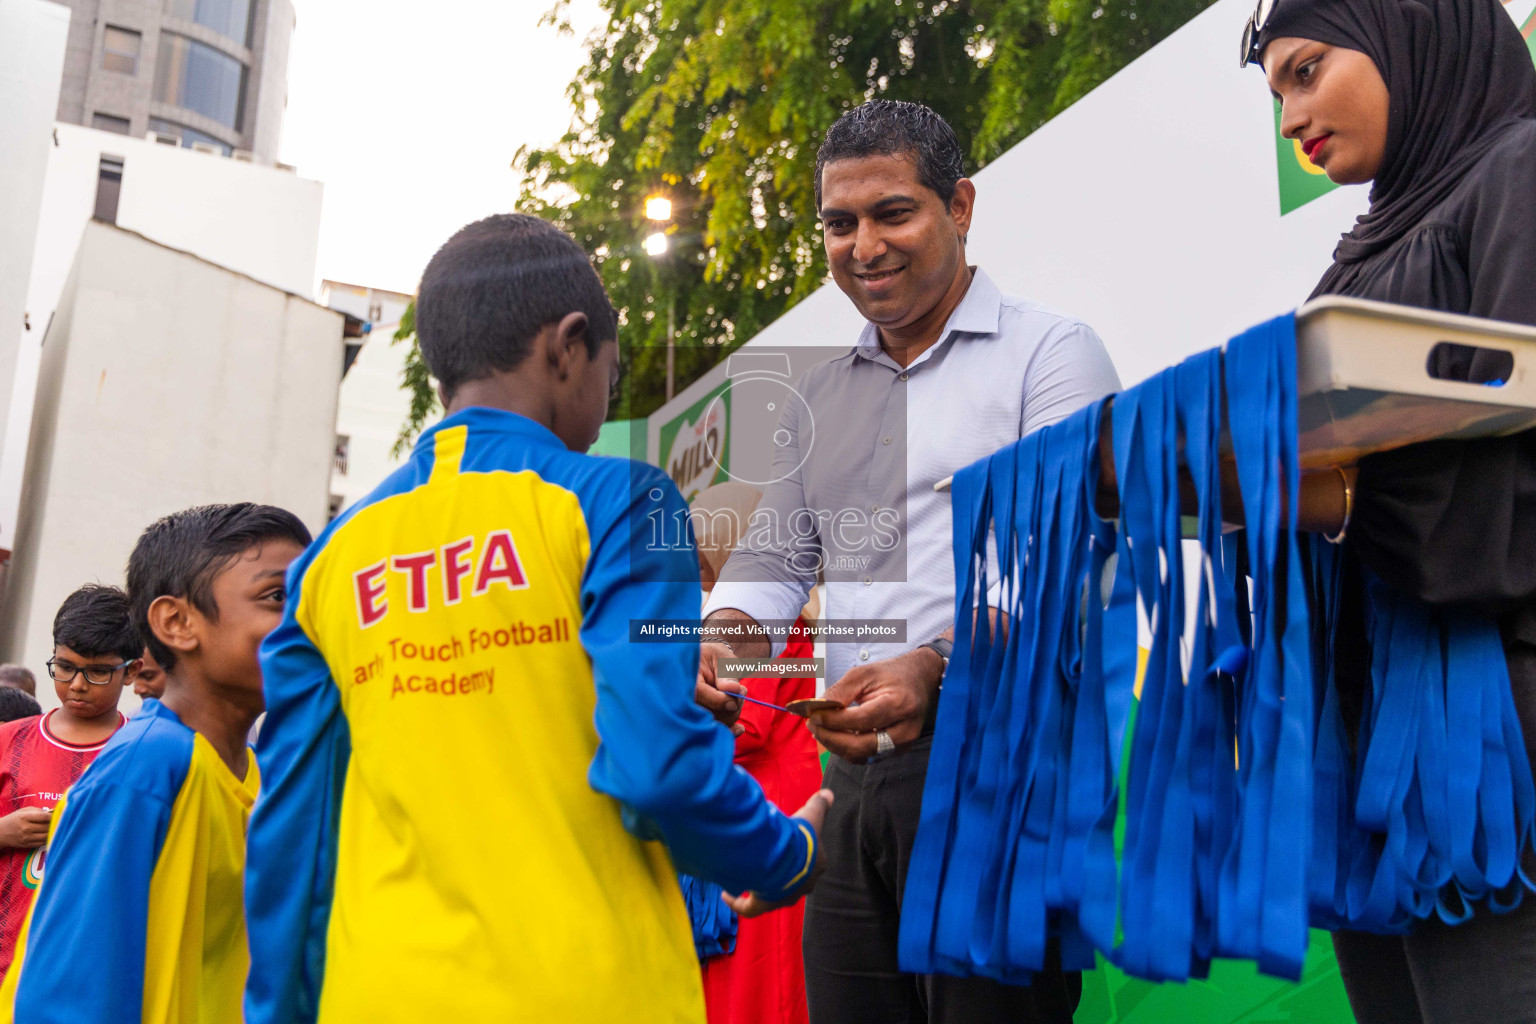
x,y
481,418
979,312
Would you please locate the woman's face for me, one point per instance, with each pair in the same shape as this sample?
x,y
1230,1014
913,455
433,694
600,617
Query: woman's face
x,y
1333,101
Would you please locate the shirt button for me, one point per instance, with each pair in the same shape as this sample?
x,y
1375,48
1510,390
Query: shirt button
x,y
903,376
867,581
863,655
885,440
874,508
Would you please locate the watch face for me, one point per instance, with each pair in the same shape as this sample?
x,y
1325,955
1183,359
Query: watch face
x,y
762,453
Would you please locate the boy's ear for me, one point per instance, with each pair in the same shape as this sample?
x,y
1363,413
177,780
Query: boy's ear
x,y
171,619
568,335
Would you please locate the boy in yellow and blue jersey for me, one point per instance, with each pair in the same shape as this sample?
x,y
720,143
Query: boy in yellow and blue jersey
x,y
468,753
144,875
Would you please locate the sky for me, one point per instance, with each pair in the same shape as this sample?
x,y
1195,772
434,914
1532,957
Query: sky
x,y
411,119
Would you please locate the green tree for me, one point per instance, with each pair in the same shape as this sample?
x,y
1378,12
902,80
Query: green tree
x,y
720,105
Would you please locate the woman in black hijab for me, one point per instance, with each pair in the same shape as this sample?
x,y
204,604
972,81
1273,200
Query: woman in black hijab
x,y
1434,102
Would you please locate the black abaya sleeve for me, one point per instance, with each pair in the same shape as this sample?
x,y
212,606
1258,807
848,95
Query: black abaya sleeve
x,y
1454,522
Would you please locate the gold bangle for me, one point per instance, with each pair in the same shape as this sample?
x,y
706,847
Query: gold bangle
x,y
1349,507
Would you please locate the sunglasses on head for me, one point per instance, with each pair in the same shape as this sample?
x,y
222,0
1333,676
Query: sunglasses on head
x,y
1250,49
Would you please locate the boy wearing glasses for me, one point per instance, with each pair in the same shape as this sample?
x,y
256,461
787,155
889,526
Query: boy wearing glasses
x,y
95,651
148,850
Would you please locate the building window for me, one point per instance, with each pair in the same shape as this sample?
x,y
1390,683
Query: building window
x,y
109,183
343,448
196,77
230,18
120,50
186,137
108,123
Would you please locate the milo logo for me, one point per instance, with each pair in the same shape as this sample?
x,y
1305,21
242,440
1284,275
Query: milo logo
x,y
694,454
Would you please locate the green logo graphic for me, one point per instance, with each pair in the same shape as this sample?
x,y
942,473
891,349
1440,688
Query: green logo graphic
x,y
695,448
1301,181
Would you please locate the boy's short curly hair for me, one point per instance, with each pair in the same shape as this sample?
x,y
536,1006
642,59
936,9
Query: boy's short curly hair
x,y
95,621
182,554
493,286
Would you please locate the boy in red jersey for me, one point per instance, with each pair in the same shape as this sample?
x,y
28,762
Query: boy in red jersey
x,y
95,651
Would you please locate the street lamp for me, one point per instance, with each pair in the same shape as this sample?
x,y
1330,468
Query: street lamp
x,y
659,210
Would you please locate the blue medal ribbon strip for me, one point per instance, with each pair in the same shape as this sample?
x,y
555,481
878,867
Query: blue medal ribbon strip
x,y
760,703
1249,813
714,922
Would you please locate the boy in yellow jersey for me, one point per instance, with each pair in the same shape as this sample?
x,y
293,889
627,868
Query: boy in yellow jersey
x,y
144,872
479,779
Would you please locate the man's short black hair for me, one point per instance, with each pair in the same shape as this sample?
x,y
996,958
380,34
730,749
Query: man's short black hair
x,y
16,704
182,554
895,127
493,286
95,622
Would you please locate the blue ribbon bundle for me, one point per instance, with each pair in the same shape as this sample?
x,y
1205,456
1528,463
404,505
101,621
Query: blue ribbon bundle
x,y
1246,817
1437,809
714,922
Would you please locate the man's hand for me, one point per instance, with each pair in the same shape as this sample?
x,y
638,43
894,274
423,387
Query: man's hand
x,y
892,695
814,813
26,828
715,693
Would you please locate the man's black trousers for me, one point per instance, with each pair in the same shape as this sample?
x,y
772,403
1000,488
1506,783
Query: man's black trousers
x,y
851,976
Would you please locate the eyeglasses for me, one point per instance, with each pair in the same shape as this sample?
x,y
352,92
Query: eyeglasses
x,y
1250,49
99,675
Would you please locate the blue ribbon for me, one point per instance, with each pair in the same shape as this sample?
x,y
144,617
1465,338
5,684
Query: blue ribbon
x,y
1248,812
713,921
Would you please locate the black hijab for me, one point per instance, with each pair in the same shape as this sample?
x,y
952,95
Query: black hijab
x,y
1457,74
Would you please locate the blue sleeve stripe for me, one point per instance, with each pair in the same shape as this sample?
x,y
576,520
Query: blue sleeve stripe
x,y
95,891
661,755
303,752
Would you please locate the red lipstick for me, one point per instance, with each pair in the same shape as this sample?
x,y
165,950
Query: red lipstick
x,y
1311,146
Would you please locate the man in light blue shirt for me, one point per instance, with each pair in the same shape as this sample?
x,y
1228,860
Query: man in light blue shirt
x,y
947,370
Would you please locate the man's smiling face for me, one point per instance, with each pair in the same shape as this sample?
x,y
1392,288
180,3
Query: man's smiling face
x,y
893,245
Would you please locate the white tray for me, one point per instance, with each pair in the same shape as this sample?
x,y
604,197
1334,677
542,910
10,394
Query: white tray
x,y
1363,379
1363,383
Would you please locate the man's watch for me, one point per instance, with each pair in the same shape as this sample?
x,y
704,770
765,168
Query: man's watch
x,y
940,646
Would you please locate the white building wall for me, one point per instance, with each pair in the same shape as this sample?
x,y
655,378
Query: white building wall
x,y
33,34
166,382
251,219
373,404
272,79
